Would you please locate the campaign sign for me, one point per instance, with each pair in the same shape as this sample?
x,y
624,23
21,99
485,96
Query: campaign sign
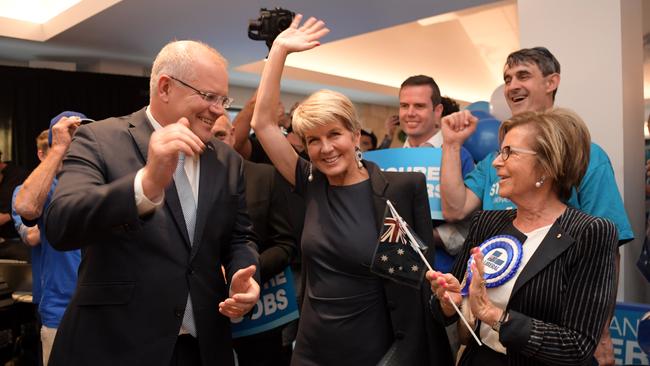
x,y
423,159
276,306
624,330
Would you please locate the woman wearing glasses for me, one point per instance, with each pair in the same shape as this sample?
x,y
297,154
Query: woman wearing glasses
x,y
349,315
536,282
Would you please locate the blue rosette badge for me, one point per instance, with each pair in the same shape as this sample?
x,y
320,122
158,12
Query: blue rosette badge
x,y
501,259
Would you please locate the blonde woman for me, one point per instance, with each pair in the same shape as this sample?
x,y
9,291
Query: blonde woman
x,y
349,316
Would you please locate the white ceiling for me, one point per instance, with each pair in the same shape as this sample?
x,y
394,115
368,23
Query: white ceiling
x,y
372,47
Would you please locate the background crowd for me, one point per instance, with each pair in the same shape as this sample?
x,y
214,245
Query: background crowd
x,y
150,232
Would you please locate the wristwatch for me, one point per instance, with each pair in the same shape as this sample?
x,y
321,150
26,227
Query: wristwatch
x,y
504,318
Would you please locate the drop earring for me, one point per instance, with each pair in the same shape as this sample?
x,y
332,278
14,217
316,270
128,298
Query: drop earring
x,y
358,156
310,177
539,183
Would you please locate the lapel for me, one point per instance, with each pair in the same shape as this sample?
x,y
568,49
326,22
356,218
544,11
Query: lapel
x,y
379,186
173,204
141,130
556,242
207,190
511,230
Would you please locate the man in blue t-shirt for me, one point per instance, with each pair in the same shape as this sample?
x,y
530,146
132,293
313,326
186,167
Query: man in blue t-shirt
x,y
58,270
531,78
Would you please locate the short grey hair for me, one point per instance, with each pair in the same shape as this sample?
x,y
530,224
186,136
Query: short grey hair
x,y
177,59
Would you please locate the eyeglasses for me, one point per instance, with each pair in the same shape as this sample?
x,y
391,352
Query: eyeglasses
x,y
221,135
211,98
507,150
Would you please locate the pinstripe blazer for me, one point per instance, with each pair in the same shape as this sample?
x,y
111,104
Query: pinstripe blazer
x,y
560,300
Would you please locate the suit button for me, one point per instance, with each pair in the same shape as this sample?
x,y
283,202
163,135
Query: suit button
x,y
190,271
179,312
391,305
399,335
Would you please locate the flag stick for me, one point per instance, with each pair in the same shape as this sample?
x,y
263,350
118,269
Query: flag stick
x,y
416,247
464,320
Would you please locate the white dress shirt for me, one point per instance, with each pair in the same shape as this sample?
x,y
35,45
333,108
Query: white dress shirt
x,y
192,169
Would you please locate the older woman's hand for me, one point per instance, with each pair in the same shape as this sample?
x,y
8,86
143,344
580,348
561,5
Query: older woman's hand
x,y
479,302
446,288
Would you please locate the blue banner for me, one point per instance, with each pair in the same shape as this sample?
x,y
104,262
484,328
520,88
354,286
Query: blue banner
x,y
423,159
276,306
624,330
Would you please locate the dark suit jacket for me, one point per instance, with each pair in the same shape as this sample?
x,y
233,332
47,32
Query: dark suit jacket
x,y
561,299
266,199
136,272
420,337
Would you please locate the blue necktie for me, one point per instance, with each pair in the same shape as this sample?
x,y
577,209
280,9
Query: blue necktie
x,y
188,205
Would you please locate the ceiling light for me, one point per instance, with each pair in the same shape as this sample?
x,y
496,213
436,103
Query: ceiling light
x,y
437,19
34,11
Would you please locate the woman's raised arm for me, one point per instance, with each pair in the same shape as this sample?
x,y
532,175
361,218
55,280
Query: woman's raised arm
x,y
292,39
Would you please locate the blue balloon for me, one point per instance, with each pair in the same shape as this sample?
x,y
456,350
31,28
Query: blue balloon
x,y
484,140
479,106
481,114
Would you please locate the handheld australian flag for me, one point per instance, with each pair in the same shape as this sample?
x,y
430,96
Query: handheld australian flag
x,y
398,255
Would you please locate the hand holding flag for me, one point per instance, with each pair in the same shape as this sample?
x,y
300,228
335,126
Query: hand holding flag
x,y
447,289
399,256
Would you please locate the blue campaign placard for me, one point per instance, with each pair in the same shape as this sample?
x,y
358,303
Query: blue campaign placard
x,y
276,306
423,159
624,331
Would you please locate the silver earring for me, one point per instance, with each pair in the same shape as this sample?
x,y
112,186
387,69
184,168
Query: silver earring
x,y
310,177
358,156
539,183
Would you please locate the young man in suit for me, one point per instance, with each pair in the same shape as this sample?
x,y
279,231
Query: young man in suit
x,y
420,112
158,206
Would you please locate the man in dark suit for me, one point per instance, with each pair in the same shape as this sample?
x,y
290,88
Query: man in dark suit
x,y
157,207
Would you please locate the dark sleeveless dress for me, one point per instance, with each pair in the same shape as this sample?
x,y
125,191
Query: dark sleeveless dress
x,y
344,319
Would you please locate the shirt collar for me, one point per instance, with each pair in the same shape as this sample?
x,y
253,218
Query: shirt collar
x,y
155,124
434,141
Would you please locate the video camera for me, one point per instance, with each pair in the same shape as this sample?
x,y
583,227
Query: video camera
x,y
269,25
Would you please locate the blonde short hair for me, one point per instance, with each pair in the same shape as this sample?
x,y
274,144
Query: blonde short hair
x,y
42,141
562,143
177,59
324,107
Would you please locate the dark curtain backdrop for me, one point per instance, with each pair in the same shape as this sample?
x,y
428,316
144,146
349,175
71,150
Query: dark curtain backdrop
x,y
32,97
